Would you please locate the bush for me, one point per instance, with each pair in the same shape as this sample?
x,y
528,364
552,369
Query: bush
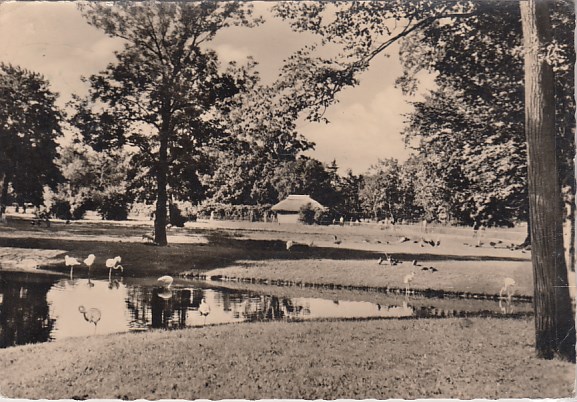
x,y
175,216
113,206
323,217
307,214
250,213
61,209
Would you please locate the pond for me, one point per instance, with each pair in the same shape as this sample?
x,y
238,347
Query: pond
x,y
39,308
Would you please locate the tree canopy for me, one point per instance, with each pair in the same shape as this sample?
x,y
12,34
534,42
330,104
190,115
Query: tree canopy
x,y
30,124
163,91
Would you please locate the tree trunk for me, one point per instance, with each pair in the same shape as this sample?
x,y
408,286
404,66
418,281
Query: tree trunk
x,y
161,181
554,323
5,179
571,218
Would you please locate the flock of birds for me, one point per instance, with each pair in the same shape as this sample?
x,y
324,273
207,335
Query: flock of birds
x,y
93,315
111,264
505,293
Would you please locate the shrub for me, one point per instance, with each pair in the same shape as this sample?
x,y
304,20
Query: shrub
x,y
307,214
113,206
61,209
175,216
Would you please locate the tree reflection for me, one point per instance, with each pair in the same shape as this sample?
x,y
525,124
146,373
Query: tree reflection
x,y
24,311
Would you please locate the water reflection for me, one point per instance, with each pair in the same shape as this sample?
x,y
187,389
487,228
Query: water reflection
x,y
35,308
24,311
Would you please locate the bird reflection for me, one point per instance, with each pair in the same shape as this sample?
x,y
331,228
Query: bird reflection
x,y
204,309
92,315
165,294
506,306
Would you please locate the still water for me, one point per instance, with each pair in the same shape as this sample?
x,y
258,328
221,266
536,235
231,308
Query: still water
x,y
37,308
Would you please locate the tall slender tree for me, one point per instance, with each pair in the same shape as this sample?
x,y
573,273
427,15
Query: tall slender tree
x,y
163,91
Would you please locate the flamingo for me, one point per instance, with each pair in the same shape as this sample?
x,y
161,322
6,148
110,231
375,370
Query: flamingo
x,y
509,283
408,279
204,309
166,281
92,315
113,263
71,262
89,261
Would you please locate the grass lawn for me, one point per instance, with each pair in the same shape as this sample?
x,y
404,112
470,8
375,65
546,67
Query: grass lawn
x,y
451,358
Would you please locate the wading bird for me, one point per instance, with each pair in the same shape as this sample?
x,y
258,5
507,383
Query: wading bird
x,y
204,309
166,281
113,263
71,262
407,280
289,245
509,284
89,261
92,315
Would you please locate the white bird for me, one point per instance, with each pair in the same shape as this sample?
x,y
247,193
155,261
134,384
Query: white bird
x,y
204,309
113,263
166,281
89,261
509,283
407,280
92,315
71,262
289,245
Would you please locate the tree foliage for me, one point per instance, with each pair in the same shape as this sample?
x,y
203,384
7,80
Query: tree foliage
x,y
30,124
163,91
92,181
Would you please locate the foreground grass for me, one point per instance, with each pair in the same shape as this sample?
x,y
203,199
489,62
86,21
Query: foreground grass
x,y
480,358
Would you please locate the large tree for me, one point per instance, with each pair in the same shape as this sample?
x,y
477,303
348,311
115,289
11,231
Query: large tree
x,y
164,89
29,127
365,30
554,322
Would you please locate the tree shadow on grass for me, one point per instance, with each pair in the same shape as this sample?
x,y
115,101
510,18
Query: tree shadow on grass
x,y
141,259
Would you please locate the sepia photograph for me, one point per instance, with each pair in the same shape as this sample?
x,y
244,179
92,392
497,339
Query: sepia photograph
x,y
310,200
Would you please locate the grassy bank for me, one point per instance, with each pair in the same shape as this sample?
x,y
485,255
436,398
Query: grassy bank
x,y
480,358
259,251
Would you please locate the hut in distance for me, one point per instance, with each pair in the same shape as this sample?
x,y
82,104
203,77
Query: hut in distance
x,y
288,209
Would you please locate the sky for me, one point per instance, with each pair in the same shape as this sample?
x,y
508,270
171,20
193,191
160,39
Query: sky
x,y
53,39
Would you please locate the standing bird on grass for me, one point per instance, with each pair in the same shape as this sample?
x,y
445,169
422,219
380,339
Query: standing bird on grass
x,y
204,309
113,263
407,280
71,262
509,284
92,315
